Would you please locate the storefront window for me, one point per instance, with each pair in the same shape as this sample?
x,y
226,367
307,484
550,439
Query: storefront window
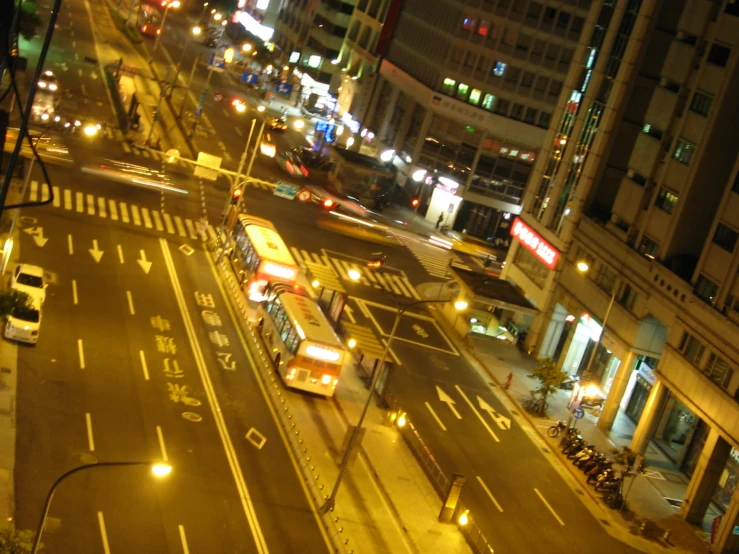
x,y
675,429
531,267
728,481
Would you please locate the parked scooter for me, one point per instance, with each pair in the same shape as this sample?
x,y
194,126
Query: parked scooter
x,y
574,446
571,436
598,467
606,474
609,484
584,455
592,462
576,452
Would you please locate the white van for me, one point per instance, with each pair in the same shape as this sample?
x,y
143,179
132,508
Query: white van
x,y
24,323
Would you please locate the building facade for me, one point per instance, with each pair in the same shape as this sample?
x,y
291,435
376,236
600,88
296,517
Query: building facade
x,y
627,241
465,96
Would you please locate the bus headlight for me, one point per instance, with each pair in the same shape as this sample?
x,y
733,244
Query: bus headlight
x,y
326,379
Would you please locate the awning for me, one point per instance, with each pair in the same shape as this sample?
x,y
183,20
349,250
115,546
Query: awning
x,y
367,342
325,275
495,292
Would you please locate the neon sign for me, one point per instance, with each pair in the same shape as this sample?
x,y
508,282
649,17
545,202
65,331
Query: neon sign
x,y
534,243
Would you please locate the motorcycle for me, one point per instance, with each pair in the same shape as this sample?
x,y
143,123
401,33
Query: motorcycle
x,y
584,455
577,448
598,467
569,436
604,475
609,484
592,462
614,500
570,383
576,444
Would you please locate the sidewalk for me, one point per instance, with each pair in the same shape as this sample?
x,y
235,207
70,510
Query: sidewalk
x,y
647,500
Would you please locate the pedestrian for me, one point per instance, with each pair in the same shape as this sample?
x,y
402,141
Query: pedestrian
x,y
508,381
441,218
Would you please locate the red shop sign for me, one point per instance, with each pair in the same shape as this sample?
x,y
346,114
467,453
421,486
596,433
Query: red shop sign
x,y
534,243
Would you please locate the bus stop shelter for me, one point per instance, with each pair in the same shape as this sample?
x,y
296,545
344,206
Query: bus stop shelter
x,y
368,352
331,293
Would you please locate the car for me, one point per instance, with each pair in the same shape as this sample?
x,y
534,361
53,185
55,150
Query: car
x,y
29,279
291,164
267,147
24,322
48,81
365,230
277,124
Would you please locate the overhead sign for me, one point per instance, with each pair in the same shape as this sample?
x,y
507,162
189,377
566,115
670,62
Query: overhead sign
x,y
208,166
286,190
249,78
533,242
283,88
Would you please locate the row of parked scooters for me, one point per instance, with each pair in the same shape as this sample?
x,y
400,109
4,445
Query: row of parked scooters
x,y
596,465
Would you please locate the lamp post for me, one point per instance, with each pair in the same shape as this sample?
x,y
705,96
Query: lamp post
x,y
583,268
331,500
174,4
158,469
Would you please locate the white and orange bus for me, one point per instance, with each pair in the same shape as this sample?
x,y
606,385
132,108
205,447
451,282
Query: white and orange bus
x,y
260,256
306,351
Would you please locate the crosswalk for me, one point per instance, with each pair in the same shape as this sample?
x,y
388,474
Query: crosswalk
x,y
395,284
434,260
115,210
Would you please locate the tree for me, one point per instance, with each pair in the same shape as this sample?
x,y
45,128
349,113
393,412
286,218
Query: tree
x,y
9,299
15,542
633,466
28,20
550,377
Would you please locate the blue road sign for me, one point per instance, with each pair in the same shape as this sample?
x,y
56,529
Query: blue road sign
x,y
217,62
249,78
283,88
286,190
198,111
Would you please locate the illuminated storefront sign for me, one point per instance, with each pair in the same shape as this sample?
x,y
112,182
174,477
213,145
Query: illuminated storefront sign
x,y
534,243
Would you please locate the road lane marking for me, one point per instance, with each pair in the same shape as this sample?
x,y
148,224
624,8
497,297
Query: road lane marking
x,y
90,440
44,189
143,365
147,219
183,540
33,196
161,444
246,501
191,229
67,199
82,353
180,226
479,416
103,533
101,207
550,507
130,302
113,210
168,223
57,202
69,243
238,132
74,291
124,212
436,417
490,494
120,254
157,220
79,201
90,204
135,214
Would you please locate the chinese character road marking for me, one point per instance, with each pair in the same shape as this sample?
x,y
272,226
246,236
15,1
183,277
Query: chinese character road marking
x,y
179,393
166,345
173,372
160,324
219,339
224,358
211,318
205,300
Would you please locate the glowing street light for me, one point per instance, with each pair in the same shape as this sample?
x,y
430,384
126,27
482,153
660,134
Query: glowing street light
x,y
387,155
582,267
419,175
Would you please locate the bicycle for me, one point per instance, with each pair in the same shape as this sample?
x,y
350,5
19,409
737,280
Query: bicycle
x,y
556,429
536,405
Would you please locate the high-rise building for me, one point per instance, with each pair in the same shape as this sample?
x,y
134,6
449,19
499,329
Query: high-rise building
x,y
627,241
465,96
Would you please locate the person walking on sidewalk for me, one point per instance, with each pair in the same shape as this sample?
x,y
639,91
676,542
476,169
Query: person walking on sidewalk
x,y
441,218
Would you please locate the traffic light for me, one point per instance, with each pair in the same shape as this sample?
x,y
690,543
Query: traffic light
x,y
236,195
415,202
376,261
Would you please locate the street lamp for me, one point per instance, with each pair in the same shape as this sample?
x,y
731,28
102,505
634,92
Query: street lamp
x,y
174,4
158,469
194,32
331,500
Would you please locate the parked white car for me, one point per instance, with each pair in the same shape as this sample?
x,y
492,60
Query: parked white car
x,y
24,323
29,279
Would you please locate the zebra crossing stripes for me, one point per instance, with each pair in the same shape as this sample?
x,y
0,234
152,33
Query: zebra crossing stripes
x,y
107,208
396,284
433,259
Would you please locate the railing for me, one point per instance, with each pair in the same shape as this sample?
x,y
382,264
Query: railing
x,y
471,532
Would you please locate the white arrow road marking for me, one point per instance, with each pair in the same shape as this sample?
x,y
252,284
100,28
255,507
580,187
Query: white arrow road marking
x,y
479,416
145,265
448,400
349,313
38,235
490,494
436,417
500,420
95,251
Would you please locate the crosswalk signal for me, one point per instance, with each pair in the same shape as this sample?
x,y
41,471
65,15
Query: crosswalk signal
x,y
376,261
236,195
415,202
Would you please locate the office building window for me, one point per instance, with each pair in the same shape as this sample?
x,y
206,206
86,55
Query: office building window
x,y
449,85
718,370
706,290
725,237
488,101
475,96
701,103
545,118
516,112
684,151
649,247
652,131
627,297
469,23
718,55
499,69
666,201
462,91
691,348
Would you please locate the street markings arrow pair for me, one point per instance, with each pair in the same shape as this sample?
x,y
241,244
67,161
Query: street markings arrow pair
x,y
501,421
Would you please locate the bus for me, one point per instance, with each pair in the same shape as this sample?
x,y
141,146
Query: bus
x,y
307,353
260,256
149,20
